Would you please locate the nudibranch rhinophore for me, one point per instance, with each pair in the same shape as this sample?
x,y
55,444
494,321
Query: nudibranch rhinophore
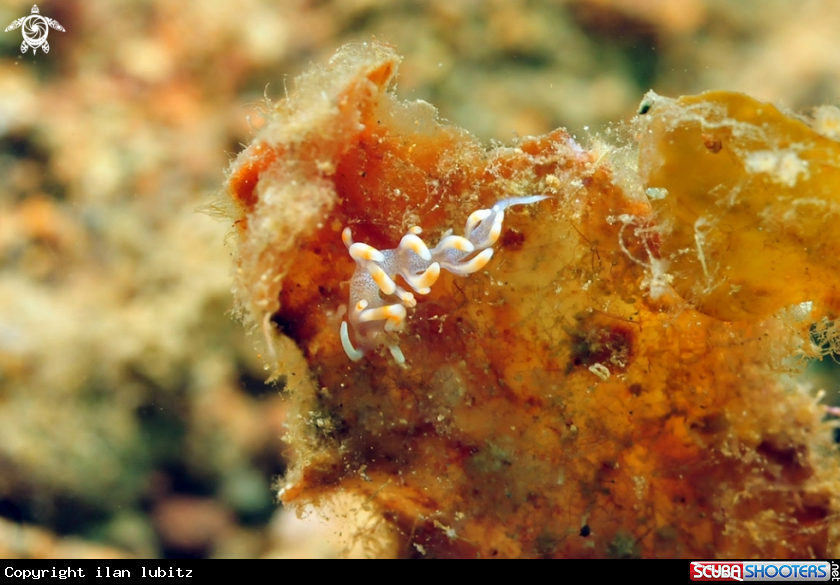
x,y
378,304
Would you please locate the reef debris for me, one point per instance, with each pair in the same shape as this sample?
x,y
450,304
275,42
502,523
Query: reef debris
x,y
593,394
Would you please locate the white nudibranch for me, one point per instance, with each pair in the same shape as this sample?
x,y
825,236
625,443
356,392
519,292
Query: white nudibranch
x,y
378,304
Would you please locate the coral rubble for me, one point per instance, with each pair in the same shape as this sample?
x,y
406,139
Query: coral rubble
x,y
610,384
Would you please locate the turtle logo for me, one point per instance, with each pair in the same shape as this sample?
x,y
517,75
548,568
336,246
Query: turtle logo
x,y
35,30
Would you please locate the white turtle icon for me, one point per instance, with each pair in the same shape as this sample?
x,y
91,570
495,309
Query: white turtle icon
x,y
35,30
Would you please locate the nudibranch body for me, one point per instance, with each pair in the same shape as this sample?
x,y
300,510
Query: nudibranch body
x,y
378,304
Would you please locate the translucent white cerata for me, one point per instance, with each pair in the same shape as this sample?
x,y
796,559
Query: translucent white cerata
x,y
378,304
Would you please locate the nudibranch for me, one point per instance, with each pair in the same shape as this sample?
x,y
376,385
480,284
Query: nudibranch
x,y
378,304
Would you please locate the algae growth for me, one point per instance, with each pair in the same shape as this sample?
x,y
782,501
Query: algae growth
x,y
614,375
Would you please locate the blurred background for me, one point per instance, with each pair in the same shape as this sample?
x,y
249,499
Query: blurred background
x,y
133,416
